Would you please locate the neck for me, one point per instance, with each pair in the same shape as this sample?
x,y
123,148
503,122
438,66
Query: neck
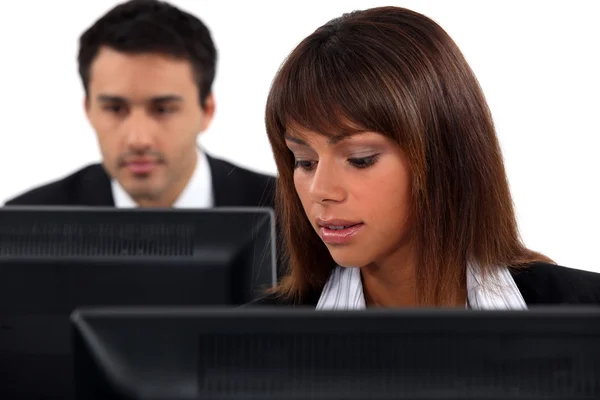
x,y
393,283
170,196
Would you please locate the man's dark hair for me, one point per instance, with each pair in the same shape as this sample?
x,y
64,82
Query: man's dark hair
x,y
151,26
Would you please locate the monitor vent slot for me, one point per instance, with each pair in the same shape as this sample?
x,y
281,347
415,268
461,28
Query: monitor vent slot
x,y
73,239
386,366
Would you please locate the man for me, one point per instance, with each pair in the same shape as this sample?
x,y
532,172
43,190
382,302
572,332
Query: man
x,y
147,69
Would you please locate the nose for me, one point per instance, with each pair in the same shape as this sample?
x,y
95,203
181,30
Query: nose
x,y
139,136
326,185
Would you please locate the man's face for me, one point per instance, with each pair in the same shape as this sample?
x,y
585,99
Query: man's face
x,y
146,112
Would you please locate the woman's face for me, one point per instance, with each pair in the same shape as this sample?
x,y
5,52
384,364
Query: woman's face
x,y
355,192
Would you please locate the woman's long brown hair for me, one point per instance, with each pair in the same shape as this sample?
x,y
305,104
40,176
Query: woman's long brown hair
x,y
396,72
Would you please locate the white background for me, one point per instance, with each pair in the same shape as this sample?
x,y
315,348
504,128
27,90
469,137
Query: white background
x,y
537,62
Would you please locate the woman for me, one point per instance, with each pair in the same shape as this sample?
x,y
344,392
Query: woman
x,y
392,190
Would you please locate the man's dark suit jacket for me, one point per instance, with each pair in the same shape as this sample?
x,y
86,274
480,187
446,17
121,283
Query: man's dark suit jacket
x,y
232,187
539,284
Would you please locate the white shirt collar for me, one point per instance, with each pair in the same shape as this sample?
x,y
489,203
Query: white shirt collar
x,y
495,290
198,193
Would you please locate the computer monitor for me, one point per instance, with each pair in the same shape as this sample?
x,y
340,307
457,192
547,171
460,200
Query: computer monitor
x,y
53,260
268,354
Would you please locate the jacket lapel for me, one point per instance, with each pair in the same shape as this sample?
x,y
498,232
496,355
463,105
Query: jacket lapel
x,y
95,188
226,192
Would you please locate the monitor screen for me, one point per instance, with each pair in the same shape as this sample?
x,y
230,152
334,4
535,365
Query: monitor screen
x,y
53,260
281,354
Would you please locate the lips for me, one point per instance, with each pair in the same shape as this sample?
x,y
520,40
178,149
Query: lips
x,y
140,167
338,231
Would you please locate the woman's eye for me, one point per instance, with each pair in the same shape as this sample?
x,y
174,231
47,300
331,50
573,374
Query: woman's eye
x,y
304,164
363,162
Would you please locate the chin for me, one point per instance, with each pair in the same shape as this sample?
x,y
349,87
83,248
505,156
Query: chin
x,y
141,190
349,258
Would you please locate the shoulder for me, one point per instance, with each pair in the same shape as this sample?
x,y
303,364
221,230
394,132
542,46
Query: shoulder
x,y
544,283
270,300
236,185
64,191
310,299
236,172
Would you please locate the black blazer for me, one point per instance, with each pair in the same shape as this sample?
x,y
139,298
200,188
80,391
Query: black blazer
x,y
539,283
232,187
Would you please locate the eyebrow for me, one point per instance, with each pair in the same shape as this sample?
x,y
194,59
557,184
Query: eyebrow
x,y
333,140
105,98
